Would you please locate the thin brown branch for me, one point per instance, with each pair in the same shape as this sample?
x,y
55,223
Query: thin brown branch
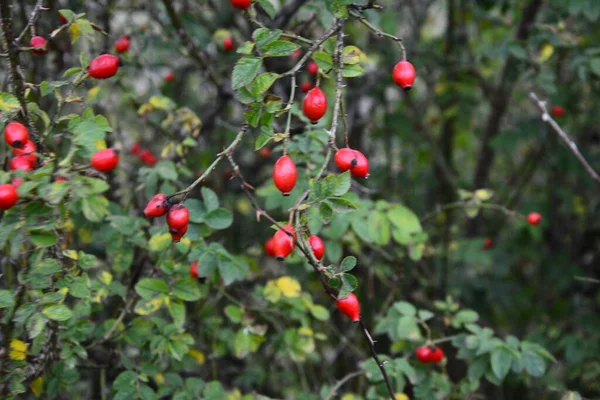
x,y
31,23
380,363
541,105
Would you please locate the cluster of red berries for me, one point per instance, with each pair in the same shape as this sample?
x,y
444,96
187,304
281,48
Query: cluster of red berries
x,y
178,216
145,155
429,354
16,136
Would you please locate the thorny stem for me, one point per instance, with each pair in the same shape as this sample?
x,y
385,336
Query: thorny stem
x,y
339,57
380,364
563,136
379,32
310,51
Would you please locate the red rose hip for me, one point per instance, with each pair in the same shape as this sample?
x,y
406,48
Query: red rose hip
x,y
312,68
283,243
122,45
27,150
350,307
436,355
24,163
241,4
285,175
270,247
557,111
488,243
404,75
317,245
16,134
157,206
38,43
353,160
8,196
178,217
315,104
228,44
169,76
105,160
178,234
306,86
104,66
423,353
534,218
148,157
194,270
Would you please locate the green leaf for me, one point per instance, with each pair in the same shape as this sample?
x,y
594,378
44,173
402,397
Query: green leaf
x,y
42,238
197,210
268,7
595,66
94,208
323,60
279,48
149,288
6,299
58,312
234,313
501,360
464,317
220,218
348,264
406,224
262,140
177,312
349,284
325,212
319,312
340,205
352,71
187,289
533,364
342,183
35,325
405,308
8,102
167,170
334,282
263,82
232,269
160,241
244,71
244,96
245,48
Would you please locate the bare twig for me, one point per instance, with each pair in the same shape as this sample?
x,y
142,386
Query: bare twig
x,y
339,58
541,105
31,22
311,50
379,32
341,382
380,363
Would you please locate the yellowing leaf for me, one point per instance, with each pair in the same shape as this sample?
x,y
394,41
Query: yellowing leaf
x,y
18,349
545,53
64,292
144,108
37,386
105,277
289,286
100,144
159,378
197,355
147,307
72,254
305,331
162,103
74,33
160,241
8,102
93,93
401,396
272,292
85,235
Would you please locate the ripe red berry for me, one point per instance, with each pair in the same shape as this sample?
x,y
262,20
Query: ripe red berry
x,y
241,4
264,152
312,68
135,149
157,206
228,43
283,244
488,243
169,76
104,66
317,245
38,43
315,104
16,182
270,247
306,86
353,160
296,54
16,134
404,75
194,270
557,111
534,218
176,235
122,45
8,196
350,307
178,217
423,353
436,355
285,175
24,163
105,160
27,150
148,157
60,179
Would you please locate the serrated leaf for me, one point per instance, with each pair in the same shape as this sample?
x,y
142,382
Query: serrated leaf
x,y
8,102
268,7
160,241
244,71
279,48
263,82
262,140
323,60
352,71
210,198
342,183
348,264
6,299
58,312
148,288
501,360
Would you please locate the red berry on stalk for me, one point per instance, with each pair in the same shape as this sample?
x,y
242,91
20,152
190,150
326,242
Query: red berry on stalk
x,y
423,353
28,149
170,76
8,196
241,4
157,206
534,218
38,43
353,160
194,270
16,134
270,247
63,20
306,86
178,234
23,163
122,45
105,160
104,66
404,75
285,175
148,157
315,104
488,243
283,244
436,355
361,169
557,111
317,245
178,217
228,43
350,307
312,68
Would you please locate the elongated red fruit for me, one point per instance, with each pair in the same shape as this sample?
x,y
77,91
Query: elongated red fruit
x,y
350,307
157,206
104,66
404,75
194,270
122,45
436,355
16,134
8,196
105,160
361,169
283,244
317,245
38,43
270,247
241,4
557,111
306,86
315,104
178,234
24,163
285,175
423,353
178,217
